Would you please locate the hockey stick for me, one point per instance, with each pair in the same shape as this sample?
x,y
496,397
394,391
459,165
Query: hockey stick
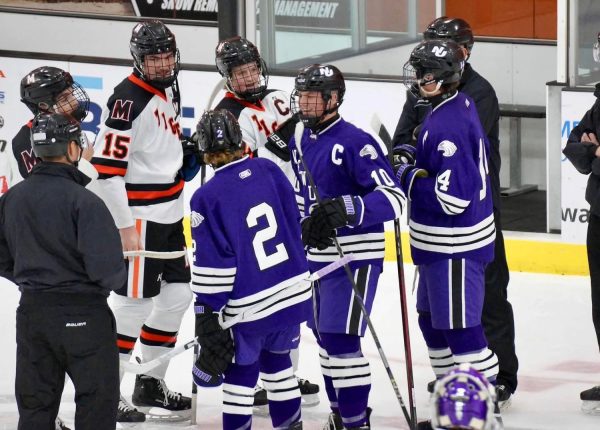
x,y
137,368
160,255
299,131
385,137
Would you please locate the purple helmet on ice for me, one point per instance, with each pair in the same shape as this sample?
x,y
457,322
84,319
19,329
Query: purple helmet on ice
x,y
463,399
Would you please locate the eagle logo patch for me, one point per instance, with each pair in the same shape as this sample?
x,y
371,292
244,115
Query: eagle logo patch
x,y
196,219
368,150
448,148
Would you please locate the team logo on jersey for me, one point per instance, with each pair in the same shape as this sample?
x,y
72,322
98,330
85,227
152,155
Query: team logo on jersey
x,y
121,110
368,150
196,219
245,174
448,148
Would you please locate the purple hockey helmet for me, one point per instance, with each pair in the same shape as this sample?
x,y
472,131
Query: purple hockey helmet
x,y
463,399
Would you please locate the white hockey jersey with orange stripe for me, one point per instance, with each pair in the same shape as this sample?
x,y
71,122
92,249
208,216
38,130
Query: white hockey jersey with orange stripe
x,y
138,154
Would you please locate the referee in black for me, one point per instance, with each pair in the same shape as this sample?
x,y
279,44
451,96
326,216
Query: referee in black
x,y
59,244
497,318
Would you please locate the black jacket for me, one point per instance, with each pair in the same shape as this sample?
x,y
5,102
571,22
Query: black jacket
x,y
582,155
481,91
56,236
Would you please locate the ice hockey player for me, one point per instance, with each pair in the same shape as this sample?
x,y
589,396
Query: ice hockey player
x,y
358,193
49,89
582,150
59,244
243,260
463,399
451,218
267,126
138,157
263,114
497,317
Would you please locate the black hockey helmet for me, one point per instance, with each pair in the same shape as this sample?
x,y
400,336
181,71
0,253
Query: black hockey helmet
x,y
150,38
46,89
455,29
219,131
323,78
440,61
51,134
237,51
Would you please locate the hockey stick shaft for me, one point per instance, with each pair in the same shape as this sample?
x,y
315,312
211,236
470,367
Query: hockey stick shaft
x,y
385,137
160,255
130,367
298,132
213,95
194,390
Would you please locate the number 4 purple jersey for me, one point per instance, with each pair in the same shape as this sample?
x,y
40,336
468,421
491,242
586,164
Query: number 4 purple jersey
x,y
451,214
247,246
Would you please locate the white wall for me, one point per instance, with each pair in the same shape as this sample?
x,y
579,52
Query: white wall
x,y
95,37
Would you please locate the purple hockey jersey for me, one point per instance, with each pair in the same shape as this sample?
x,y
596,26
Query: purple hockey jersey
x,y
247,247
451,214
344,160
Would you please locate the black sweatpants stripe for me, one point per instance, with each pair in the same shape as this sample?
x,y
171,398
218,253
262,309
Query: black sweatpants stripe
x,y
457,280
361,286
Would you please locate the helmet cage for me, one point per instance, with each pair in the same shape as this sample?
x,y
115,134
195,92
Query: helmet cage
x,y
49,89
51,134
238,51
463,398
219,131
323,79
152,38
435,61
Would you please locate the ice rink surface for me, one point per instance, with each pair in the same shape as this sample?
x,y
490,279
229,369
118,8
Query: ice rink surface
x,y
555,343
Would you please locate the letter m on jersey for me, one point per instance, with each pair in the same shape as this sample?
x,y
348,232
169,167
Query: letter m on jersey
x,y
121,110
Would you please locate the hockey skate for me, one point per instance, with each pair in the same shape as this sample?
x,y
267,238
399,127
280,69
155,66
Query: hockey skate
x,y
60,425
334,422
128,414
158,402
503,397
590,401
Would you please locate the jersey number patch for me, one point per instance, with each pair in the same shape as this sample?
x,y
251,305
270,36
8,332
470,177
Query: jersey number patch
x,y
116,146
258,243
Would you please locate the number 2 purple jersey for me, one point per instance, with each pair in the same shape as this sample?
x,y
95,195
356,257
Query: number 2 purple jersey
x,y
247,246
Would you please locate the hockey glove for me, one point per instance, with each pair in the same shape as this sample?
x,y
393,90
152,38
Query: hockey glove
x,y
277,142
193,158
338,212
406,174
404,154
216,343
204,372
315,236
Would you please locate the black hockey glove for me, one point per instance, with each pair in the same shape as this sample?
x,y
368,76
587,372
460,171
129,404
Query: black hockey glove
x,y
277,142
193,158
338,212
315,236
204,372
215,342
404,154
406,174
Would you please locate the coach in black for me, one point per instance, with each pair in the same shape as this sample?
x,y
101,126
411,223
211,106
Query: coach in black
x,y
498,320
59,244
